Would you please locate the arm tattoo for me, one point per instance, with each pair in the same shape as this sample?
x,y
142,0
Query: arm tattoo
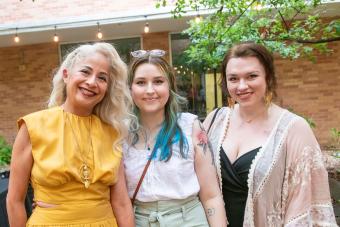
x,y
210,212
204,143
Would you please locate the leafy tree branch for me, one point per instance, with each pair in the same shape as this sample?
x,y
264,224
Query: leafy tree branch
x,y
292,28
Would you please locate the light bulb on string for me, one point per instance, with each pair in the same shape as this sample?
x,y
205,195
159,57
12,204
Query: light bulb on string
x,y
198,16
198,19
146,26
56,37
16,37
99,33
258,6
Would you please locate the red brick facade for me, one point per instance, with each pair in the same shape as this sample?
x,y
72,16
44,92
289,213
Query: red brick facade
x,y
159,40
25,80
312,89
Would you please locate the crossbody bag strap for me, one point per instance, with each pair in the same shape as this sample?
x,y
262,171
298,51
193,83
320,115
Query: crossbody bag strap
x,y
142,176
213,119
149,161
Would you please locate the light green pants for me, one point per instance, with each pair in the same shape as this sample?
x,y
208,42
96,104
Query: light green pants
x,y
171,213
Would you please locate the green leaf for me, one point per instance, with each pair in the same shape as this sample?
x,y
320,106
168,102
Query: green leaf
x,y
5,152
284,26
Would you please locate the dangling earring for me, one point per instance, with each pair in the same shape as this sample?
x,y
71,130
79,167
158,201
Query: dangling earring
x,y
231,102
268,98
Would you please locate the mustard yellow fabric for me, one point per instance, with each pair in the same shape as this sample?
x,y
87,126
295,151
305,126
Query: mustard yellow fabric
x,y
55,175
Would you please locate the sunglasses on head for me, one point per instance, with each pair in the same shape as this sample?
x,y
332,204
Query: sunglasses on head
x,y
144,53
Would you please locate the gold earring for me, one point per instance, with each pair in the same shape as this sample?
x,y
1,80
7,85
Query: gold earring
x,y
231,102
268,98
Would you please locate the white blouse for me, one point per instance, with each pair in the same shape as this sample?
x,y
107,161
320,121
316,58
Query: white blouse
x,y
174,179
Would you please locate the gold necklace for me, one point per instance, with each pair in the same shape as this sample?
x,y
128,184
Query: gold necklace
x,y
85,171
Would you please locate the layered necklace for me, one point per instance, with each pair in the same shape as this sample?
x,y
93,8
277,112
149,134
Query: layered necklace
x,y
85,170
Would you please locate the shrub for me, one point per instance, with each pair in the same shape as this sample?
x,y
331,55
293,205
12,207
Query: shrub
x,y
5,152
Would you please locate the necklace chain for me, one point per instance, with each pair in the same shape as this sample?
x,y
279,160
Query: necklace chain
x,y
84,170
149,140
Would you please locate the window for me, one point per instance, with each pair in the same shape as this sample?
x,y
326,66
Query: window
x,y
190,78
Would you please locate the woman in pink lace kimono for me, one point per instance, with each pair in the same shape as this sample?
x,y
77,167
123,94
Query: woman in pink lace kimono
x,y
268,161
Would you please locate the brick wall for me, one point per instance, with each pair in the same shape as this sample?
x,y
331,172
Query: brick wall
x,y
308,88
157,40
313,89
25,79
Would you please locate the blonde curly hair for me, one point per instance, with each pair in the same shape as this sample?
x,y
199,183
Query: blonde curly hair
x,y
115,107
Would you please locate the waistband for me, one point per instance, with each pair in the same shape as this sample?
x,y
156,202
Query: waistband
x,y
155,211
73,213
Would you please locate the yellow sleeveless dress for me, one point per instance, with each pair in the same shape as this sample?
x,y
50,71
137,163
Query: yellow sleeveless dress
x,y
55,175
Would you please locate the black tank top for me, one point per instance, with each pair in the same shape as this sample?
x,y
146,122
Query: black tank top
x,y
234,185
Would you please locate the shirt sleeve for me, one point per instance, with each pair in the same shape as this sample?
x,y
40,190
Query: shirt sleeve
x,y
308,201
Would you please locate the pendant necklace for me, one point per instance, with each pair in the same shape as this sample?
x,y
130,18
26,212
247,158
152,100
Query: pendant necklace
x,y
148,143
85,170
149,140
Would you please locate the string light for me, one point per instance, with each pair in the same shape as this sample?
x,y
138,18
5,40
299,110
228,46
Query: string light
x,y
146,27
56,37
258,6
198,18
16,37
99,33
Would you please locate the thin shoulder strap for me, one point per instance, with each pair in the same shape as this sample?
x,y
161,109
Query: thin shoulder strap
x,y
142,176
213,119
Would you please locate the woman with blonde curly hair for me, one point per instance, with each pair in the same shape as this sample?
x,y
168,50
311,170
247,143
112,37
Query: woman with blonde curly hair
x,y
69,152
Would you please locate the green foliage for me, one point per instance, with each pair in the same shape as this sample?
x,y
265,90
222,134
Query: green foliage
x,y
335,135
5,152
309,120
291,28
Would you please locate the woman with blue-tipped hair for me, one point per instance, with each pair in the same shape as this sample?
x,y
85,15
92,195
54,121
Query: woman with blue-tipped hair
x,y
169,168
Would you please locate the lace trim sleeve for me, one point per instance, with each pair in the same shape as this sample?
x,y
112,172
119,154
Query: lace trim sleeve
x,y
318,215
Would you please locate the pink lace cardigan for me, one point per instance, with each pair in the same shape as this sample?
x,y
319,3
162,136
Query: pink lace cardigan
x,y
288,183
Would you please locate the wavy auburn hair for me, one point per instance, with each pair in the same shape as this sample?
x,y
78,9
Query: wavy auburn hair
x,y
251,49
